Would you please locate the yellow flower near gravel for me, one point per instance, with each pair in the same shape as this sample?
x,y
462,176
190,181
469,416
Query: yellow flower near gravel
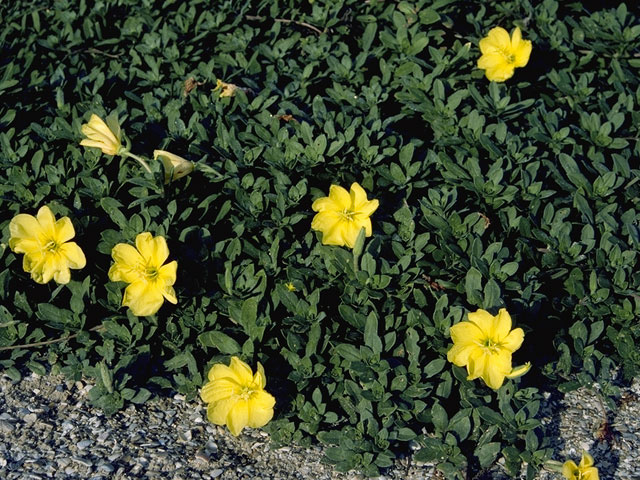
x,y
99,135
502,54
48,253
484,345
342,214
175,167
150,282
236,396
584,471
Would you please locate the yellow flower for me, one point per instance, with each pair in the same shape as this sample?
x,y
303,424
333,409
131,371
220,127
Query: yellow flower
x,y
584,471
236,396
175,167
150,282
226,89
101,136
484,345
501,55
45,243
290,286
342,214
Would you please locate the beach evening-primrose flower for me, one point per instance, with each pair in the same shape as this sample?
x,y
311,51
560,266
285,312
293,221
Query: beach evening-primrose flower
x,y
342,214
175,167
502,54
107,137
48,253
484,345
584,471
236,396
150,282
99,135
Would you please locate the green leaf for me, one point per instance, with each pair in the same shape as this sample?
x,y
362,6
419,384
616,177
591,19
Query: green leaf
x,y
487,453
371,338
223,342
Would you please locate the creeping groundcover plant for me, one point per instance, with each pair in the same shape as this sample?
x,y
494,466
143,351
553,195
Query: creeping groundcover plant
x,y
416,217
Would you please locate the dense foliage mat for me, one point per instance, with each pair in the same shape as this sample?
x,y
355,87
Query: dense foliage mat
x,y
520,195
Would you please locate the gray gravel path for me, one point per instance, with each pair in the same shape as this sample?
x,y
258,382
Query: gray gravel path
x,y
48,430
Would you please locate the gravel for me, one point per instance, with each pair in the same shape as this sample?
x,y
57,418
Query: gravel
x,y
49,430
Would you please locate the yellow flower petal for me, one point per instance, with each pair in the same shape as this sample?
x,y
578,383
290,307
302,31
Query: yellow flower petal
x,y
570,470
497,39
73,254
241,370
586,460
218,412
142,298
238,417
483,320
340,197
459,354
260,378
260,408
220,370
519,371
513,341
219,390
522,53
47,222
496,369
153,250
501,325
22,227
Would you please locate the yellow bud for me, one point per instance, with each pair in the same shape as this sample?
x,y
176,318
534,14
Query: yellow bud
x,y
175,167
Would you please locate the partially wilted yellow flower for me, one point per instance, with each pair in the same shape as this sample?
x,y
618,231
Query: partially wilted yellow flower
x,y
484,345
342,214
100,135
48,253
175,167
236,396
150,282
226,89
502,54
584,471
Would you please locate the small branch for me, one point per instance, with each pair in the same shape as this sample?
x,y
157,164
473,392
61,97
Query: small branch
x,y
49,342
286,20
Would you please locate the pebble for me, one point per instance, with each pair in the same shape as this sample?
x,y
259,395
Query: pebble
x,y
106,467
82,461
216,473
30,418
6,426
83,444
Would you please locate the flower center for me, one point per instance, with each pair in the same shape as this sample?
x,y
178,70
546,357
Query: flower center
x,y
347,214
490,346
245,393
151,273
51,246
509,56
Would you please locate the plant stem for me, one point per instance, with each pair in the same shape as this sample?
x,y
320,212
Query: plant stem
x,y
49,342
139,159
